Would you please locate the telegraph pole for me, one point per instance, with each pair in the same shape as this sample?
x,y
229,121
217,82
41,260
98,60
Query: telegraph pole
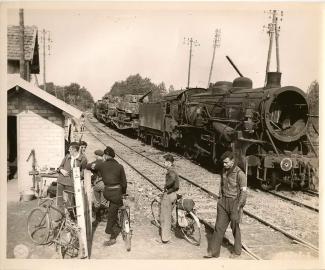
x,y
190,42
273,31
44,33
216,43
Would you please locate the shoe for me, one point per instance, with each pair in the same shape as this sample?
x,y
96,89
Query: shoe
x,y
165,242
210,256
110,242
160,241
234,256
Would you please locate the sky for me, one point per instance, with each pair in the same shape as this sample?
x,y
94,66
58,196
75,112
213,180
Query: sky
x,y
97,45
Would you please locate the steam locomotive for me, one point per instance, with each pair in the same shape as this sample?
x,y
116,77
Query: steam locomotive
x,y
265,127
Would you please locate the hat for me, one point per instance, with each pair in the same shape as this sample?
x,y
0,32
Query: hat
x,y
99,153
109,151
169,157
83,143
74,144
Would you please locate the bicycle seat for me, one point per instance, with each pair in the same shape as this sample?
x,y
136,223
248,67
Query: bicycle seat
x,y
68,191
123,207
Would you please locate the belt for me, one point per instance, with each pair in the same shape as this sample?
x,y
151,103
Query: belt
x,y
113,187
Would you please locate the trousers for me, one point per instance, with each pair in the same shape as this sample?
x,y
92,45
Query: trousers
x,y
166,208
227,211
70,200
114,196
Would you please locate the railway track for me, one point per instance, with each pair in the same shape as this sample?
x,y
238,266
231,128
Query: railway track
x,y
311,192
293,201
255,233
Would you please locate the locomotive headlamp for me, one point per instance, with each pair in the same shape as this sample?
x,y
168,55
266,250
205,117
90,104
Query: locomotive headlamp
x,y
286,164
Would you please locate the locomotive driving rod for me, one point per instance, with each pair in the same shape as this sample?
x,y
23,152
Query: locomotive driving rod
x,y
234,66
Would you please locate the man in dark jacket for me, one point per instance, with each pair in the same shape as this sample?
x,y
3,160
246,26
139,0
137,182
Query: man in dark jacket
x,y
114,179
168,199
232,199
65,179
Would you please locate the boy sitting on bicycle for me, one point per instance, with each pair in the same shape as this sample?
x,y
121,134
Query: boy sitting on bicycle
x,y
168,199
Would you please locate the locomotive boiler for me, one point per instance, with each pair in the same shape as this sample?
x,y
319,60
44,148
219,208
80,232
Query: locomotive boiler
x,y
265,127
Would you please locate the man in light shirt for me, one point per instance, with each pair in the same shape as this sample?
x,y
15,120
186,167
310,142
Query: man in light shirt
x,y
232,199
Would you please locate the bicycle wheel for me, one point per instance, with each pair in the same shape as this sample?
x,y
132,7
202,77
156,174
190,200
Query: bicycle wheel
x,y
126,230
192,232
38,226
155,210
68,244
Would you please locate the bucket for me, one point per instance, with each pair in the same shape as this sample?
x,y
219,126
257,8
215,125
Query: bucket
x,y
28,196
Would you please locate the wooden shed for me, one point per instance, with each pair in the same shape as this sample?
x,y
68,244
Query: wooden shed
x,y
35,122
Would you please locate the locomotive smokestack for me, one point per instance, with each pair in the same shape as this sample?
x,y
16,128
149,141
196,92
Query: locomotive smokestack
x,y
273,80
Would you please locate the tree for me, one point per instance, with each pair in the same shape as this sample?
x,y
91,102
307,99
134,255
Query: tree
x,y
313,99
136,85
171,88
72,94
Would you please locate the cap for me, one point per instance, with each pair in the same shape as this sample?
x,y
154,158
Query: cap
x,y
169,157
83,143
109,151
99,153
74,144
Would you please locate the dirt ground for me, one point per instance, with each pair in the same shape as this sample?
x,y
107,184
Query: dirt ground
x,y
145,241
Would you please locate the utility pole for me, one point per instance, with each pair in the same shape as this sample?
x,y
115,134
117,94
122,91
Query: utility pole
x,y
273,31
21,44
190,42
44,33
216,43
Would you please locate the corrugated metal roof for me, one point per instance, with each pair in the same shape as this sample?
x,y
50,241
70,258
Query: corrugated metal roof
x,y
13,49
14,81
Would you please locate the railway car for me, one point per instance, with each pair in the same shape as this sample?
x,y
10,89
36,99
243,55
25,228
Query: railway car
x,y
127,113
265,127
105,109
158,120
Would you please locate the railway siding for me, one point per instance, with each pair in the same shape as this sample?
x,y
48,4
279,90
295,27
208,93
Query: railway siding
x,y
250,226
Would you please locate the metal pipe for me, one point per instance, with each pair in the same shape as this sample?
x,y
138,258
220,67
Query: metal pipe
x,y
268,134
311,144
234,66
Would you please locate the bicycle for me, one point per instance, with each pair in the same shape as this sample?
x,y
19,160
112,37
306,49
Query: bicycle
x,y
186,220
65,235
124,223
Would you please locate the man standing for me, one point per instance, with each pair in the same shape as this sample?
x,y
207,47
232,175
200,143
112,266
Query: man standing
x,y
232,199
168,199
83,147
114,179
65,179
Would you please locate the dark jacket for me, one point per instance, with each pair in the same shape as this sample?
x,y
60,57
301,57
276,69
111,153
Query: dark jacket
x,y
66,165
172,181
112,173
95,174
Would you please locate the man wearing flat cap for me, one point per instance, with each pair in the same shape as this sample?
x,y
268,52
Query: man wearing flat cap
x,y
65,179
114,179
168,199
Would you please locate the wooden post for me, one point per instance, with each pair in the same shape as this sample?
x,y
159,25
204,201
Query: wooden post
x,y
21,44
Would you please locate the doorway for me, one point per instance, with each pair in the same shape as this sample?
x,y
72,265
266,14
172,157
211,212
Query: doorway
x,y
12,147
